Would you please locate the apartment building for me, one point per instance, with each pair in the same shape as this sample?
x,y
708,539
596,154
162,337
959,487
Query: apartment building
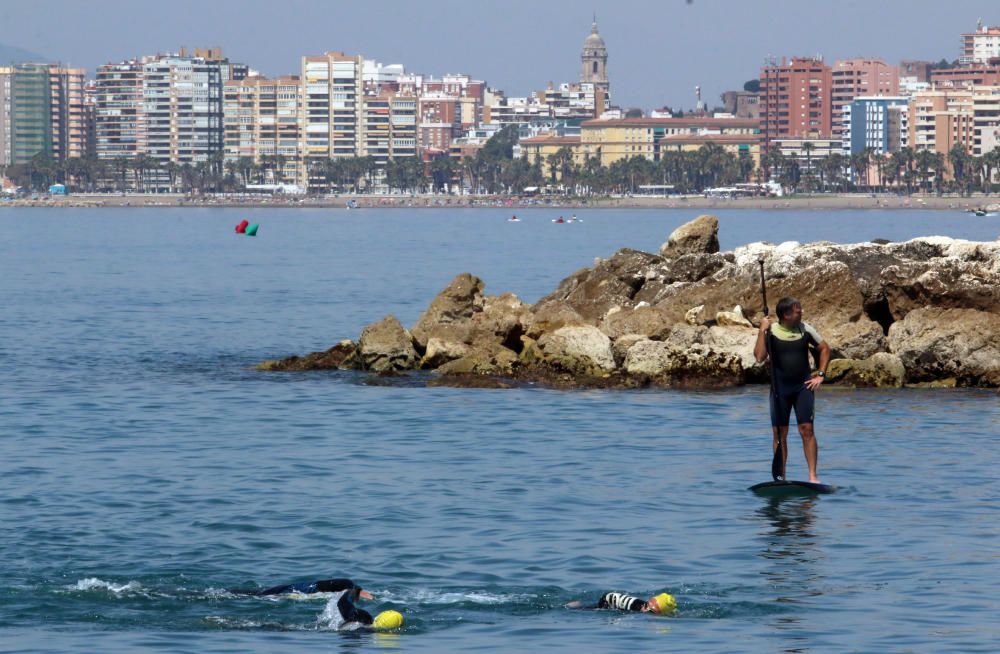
x,y
796,100
331,113
980,46
41,112
941,119
876,123
261,124
852,78
614,139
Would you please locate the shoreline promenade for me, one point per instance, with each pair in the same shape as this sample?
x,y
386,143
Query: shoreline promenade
x,y
819,201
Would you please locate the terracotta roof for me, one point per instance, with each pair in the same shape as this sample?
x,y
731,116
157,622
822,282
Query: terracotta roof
x,y
543,139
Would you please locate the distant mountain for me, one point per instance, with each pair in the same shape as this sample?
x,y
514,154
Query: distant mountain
x,y
10,54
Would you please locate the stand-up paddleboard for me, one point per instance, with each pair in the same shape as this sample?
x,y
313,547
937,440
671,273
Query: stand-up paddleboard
x,y
781,487
790,488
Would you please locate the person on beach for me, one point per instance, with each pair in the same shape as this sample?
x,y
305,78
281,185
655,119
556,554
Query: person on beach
x,y
788,343
662,604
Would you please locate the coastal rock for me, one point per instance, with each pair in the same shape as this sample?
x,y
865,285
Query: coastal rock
x,y
948,283
598,292
341,356
482,359
734,318
583,350
701,235
549,316
932,303
386,346
456,304
935,343
502,320
696,366
440,351
693,316
881,370
648,321
620,347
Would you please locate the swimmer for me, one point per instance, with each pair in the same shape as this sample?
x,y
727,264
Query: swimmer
x,y
662,604
349,593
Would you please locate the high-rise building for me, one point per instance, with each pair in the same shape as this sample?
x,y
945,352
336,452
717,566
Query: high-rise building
x,y
331,114
119,115
5,75
877,123
182,102
941,119
852,78
41,112
796,100
390,127
261,118
166,106
980,46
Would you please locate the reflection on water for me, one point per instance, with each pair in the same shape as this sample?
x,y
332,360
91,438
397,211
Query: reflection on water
x,y
792,552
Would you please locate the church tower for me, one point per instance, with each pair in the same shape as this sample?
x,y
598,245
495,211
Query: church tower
x,y
594,58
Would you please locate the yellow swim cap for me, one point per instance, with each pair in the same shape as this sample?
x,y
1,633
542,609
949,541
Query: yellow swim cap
x,y
388,620
663,603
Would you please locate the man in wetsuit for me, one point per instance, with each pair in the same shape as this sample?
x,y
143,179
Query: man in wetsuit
x,y
788,342
349,593
662,604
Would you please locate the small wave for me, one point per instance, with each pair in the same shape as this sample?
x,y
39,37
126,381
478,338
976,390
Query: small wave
x,y
454,597
93,583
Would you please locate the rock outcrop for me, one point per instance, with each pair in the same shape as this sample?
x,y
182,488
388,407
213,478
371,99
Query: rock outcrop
x,y
924,311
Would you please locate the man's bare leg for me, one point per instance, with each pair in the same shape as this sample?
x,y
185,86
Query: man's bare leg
x,y
811,449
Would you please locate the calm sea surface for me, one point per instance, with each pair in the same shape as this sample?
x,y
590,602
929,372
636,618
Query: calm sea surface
x,y
146,467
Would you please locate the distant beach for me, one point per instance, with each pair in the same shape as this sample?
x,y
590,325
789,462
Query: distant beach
x,y
818,201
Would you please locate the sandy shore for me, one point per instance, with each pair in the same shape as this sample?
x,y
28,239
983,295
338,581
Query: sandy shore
x,y
798,202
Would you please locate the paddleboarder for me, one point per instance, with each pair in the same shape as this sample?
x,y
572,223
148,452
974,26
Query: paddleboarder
x,y
787,343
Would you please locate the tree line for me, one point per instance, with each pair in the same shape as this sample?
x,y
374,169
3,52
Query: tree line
x,y
493,169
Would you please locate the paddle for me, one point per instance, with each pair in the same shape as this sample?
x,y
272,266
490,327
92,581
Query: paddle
x,y
778,462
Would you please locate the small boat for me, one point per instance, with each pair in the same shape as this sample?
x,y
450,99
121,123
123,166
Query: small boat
x,y
513,219
559,221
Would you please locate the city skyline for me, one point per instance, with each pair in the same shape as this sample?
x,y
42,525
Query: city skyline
x,y
644,39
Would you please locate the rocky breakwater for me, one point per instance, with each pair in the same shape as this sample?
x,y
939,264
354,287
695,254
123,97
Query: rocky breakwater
x,y
920,312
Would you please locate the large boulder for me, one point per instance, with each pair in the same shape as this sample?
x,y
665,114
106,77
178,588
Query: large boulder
x,y
946,282
881,370
549,316
503,320
597,293
386,346
699,236
455,305
647,321
582,350
935,343
482,359
696,366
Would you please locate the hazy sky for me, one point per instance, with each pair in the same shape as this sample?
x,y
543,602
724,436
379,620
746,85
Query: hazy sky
x,y
659,49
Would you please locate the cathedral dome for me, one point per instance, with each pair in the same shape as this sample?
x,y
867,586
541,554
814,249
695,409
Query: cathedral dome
x,y
594,40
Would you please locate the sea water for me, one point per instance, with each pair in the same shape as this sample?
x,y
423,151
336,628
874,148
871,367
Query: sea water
x,y
147,469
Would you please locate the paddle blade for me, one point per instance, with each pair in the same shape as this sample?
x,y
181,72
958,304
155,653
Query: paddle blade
x,y
778,464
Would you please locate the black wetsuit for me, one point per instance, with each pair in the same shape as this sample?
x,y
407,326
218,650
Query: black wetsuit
x,y
789,350
345,603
